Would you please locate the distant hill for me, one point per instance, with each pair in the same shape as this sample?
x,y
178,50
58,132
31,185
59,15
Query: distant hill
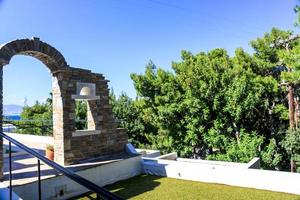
x,y
12,109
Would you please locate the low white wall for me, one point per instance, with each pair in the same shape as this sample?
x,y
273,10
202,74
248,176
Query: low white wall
x,y
229,175
101,175
212,162
32,141
31,138
155,154
253,164
148,153
169,156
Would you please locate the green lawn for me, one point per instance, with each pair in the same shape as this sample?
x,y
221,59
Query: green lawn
x,y
153,187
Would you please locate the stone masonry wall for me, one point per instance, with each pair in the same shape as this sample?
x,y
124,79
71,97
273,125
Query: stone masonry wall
x,y
102,137
107,138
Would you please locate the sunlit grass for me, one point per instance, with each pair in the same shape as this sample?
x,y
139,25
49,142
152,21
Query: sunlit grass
x,y
153,187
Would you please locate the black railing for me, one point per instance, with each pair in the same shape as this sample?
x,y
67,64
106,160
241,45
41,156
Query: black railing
x,y
100,192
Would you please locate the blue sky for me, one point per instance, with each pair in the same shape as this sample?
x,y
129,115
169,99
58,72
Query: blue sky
x,y
119,37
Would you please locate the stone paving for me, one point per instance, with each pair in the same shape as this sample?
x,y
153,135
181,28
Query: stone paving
x,y
25,166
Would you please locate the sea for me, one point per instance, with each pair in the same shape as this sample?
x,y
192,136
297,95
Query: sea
x,y
12,117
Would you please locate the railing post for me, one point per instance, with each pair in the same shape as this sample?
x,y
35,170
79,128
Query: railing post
x,y
104,194
39,179
98,197
10,173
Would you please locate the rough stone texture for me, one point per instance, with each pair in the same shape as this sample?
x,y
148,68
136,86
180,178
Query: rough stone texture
x,y
47,54
100,117
68,149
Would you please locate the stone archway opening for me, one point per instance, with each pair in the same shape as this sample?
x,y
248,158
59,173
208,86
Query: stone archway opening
x,y
26,83
26,80
55,62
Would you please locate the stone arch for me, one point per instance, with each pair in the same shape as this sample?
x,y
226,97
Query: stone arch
x,y
44,52
103,136
57,65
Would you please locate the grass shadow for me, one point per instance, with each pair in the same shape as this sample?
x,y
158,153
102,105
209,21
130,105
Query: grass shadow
x,y
129,188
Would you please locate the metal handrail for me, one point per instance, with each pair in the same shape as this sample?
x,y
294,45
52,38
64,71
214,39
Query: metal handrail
x,y
68,173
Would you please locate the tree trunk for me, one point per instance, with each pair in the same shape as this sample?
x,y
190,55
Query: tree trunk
x,y
237,133
292,165
291,106
296,114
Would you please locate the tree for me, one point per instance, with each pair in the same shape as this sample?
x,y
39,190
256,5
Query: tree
x,y
210,98
127,113
81,115
272,155
297,11
221,107
291,144
284,49
158,100
37,119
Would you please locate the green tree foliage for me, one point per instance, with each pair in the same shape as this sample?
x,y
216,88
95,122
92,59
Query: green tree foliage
x,y
297,11
291,145
203,108
36,119
127,113
244,151
81,115
272,155
218,107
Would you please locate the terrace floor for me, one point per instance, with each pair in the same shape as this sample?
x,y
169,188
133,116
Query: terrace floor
x,y
24,166
154,187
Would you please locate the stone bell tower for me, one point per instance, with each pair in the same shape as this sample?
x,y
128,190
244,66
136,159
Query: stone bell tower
x,y
102,137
